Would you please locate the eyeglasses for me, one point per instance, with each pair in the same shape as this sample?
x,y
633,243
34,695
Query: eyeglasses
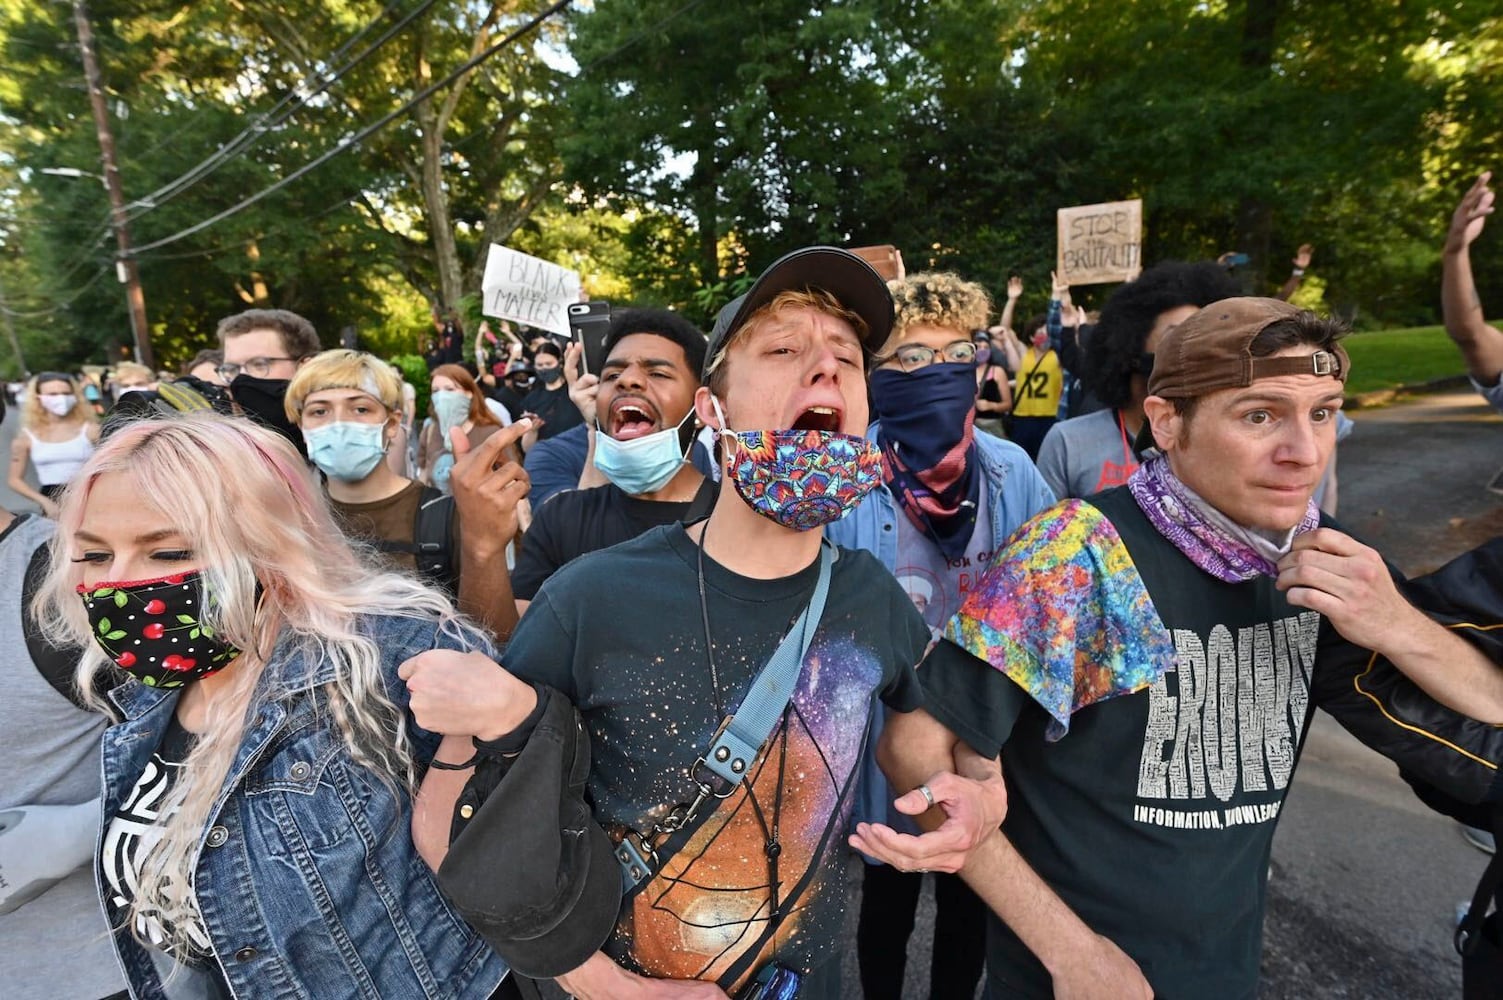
x,y
912,357
259,367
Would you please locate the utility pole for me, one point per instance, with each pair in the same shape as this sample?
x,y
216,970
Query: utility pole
x,y
125,265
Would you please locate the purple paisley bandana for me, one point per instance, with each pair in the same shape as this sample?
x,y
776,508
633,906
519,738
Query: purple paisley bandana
x,y
1208,538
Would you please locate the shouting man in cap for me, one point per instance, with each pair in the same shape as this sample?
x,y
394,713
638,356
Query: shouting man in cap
x,y
1146,661
725,673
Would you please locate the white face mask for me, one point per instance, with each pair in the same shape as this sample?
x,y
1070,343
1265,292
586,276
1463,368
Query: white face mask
x,y
57,404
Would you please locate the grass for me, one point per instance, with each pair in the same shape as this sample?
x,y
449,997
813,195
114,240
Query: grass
x,y
1384,359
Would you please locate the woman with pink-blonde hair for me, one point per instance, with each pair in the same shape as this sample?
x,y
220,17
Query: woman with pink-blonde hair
x,y
260,760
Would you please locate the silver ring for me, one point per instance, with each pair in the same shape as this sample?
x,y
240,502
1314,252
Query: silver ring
x,y
928,795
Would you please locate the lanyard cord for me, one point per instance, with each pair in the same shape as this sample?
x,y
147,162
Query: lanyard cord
x,y
774,846
704,614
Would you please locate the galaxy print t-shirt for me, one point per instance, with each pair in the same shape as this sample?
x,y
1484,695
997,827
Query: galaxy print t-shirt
x,y
620,633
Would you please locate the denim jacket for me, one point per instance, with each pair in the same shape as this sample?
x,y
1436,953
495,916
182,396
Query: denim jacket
x,y
1014,492
307,878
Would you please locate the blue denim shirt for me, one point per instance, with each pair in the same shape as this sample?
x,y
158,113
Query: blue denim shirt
x,y
307,878
1014,492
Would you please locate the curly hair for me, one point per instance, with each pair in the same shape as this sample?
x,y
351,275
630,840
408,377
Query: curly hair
x,y
937,298
1117,342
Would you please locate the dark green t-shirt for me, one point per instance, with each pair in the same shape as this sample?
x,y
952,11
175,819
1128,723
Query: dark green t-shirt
x,y
620,633
1153,817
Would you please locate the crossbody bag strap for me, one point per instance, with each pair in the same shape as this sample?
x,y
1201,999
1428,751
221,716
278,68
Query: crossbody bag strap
x,y
741,736
739,739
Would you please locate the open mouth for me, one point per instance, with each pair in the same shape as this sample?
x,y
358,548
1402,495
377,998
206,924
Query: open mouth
x,y
631,419
818,418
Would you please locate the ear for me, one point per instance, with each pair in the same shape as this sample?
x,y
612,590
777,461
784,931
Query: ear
x,y
1168,426
704,410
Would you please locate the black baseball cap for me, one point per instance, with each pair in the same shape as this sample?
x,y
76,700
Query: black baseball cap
x,y
853,282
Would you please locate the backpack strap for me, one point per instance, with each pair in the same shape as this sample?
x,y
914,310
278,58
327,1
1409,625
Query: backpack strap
x,y
432,539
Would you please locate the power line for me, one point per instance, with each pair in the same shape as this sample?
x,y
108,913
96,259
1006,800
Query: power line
x,y
298,98
365,133
63,303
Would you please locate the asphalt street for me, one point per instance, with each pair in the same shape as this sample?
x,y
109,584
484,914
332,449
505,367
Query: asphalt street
x,y
1365,880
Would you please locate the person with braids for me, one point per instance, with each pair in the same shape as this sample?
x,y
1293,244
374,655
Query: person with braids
x,y
1090,453
258,765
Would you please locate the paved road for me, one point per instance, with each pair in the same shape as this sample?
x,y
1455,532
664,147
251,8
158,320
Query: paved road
x,y
9,499
1365,879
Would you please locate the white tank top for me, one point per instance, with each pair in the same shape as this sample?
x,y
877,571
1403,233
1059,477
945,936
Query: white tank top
x,y
58,462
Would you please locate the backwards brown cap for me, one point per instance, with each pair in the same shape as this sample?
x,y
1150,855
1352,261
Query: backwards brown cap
x,y
1210,351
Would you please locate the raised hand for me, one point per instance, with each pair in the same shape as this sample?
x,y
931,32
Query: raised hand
x,y
1303,255
1014,287
1060,289
1471,215
488,486
582,388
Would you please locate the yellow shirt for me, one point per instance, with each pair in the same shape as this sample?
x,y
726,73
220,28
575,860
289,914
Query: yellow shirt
x,y
1040,381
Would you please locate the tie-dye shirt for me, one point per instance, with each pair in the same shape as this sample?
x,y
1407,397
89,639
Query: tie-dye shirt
x,y
620,633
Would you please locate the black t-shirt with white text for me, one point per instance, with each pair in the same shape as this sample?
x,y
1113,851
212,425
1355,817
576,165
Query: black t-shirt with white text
x,y
1153,817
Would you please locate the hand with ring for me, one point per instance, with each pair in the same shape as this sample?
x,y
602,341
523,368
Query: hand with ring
x,y
972,802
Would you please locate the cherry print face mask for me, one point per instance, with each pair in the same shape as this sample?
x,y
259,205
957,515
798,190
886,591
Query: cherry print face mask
x,y
153,629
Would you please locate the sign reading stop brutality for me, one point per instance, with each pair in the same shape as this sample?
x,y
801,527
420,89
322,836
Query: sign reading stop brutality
x,y
1101,243
527,290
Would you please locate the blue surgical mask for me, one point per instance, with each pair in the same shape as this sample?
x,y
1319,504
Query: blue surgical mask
x,y
644,464
346,451
452,408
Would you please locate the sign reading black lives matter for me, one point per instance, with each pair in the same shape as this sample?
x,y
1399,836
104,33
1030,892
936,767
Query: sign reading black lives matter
x,y
525,289
1100,243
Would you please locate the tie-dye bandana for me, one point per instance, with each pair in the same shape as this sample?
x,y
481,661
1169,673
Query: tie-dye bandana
x,y
1207,537
1063,612
803,479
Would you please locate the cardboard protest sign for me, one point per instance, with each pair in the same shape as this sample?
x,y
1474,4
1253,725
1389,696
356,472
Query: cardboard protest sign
x,y
886,260
1100,243
525,289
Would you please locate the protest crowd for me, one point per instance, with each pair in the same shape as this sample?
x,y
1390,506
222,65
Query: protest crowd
x,y
604,670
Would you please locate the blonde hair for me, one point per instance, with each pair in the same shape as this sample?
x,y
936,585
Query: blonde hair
x,y
811,298
937,298
285,584
343,369
132,368
34,414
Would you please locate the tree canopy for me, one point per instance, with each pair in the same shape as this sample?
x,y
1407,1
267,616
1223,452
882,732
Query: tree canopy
x,y
668,149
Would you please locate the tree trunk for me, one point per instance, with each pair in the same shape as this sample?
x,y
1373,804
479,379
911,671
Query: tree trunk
x,y
1255,213
704,184
436,211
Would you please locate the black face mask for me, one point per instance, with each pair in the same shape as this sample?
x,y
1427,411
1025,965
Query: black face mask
x,y
261,399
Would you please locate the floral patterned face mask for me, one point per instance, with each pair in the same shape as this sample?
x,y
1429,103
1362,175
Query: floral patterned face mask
x,y
154,630
801,479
